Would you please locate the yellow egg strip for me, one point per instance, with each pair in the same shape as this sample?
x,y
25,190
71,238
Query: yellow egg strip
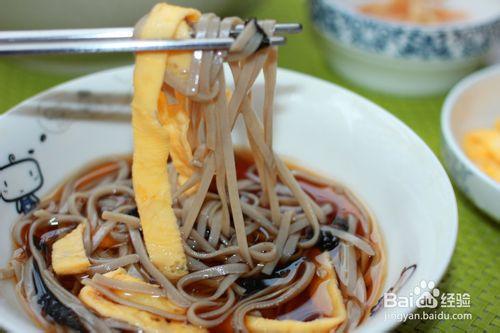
x,y
152,143
175,119
161,303
145,320
68,253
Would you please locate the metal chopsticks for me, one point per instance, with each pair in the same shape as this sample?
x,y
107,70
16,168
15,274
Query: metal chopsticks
x,y
108,40
116,46
108,33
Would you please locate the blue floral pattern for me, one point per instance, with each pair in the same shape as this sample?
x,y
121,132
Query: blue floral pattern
x,y
408,42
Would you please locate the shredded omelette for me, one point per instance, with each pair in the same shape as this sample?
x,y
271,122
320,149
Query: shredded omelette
x,y
160,133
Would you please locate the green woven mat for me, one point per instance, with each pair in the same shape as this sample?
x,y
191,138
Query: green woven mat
x,y
475,266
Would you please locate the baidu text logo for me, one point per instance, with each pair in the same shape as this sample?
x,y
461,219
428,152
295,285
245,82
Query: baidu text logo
x,y
426,295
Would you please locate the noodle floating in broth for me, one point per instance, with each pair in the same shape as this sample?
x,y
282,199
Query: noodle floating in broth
x,y
192,235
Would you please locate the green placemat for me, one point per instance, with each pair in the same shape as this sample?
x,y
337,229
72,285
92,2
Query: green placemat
x,y
474,268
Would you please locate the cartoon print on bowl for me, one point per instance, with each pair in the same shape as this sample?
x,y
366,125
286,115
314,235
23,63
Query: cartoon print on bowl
x,y
19,182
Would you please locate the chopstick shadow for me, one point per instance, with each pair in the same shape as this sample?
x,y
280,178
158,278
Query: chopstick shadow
x,y
79,105
86,105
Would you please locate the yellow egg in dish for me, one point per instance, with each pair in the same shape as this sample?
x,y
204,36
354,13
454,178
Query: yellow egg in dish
x,y
483,148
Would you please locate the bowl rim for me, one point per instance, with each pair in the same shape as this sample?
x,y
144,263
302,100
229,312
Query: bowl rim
x,y
431,28
440,268
447,111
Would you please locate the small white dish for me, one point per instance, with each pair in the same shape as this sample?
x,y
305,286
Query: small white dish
x,y
404,58
318,125
473,104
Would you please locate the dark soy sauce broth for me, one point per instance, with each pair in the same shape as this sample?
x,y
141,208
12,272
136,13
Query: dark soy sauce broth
x,y
313,303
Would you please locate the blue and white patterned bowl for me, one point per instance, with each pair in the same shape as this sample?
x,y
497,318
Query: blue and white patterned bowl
x,y
473,104
405,58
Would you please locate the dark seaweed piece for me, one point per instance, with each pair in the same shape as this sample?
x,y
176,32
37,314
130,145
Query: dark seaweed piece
x,y
42,247
341,223
284,270
36,241
252,285
266,42
133,212
327,241
51,306
308,232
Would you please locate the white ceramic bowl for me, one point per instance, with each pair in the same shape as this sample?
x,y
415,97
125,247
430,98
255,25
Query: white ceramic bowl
x,y
318,125
403,58
473,104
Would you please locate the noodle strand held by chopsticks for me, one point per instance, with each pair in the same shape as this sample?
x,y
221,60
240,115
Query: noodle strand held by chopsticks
x,y
232,184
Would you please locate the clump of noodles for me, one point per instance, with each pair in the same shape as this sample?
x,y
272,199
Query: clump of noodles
x,y
236,229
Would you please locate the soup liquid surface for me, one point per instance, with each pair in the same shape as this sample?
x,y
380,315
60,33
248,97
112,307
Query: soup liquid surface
x,y
313,303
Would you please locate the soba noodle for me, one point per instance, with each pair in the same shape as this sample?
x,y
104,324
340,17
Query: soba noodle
x,y
250,234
